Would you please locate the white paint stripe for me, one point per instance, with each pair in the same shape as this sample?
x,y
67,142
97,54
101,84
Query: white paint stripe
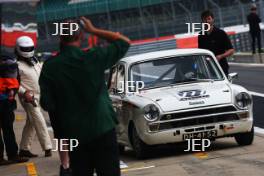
x,y
246,64
31,27
139,168
123,165
237,29
259,130
256,94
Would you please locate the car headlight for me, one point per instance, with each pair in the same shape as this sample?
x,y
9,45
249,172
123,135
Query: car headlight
x,y
151,112
243,100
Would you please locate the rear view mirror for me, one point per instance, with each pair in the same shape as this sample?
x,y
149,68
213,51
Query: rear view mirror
x,y
232,76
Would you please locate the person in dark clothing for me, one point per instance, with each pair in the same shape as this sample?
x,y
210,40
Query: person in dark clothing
x,y
65,169
9,85
215,40
254,28
73,90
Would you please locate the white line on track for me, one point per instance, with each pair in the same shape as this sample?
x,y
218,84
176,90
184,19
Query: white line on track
x,y
256,94
139,168
259,130
246,64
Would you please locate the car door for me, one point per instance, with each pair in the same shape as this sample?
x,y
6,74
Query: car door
x,y
117,92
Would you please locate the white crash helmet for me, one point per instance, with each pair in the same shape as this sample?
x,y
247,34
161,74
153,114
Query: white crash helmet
x,y
25,47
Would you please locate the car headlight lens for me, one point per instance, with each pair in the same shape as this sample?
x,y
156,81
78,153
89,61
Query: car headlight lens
x,y
151,112
243,100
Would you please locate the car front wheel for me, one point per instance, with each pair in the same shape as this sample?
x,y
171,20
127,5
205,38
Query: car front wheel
x,y
140,148
245,138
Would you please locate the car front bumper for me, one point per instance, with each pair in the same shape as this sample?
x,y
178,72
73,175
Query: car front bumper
x,y
176,135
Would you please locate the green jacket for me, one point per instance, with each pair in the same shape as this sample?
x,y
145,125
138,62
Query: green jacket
x,y
73,88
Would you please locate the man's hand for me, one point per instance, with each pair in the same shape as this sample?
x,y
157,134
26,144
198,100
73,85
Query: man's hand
x,y
107,35
228,53
219,57
28,96
11,94
88,26
189,75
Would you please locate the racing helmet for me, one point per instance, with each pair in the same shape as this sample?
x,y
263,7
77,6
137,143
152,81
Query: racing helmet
x,y
25,47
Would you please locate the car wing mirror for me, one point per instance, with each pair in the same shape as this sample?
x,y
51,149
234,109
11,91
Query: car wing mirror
x,y
232,76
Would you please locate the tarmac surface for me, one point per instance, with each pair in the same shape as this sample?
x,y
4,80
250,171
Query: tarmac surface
x,y
223,158
251,76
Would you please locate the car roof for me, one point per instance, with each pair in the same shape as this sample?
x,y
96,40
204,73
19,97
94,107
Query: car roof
x,y
164,53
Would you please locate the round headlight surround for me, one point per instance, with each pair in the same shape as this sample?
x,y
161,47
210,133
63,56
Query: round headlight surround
x,y
243,101
151,112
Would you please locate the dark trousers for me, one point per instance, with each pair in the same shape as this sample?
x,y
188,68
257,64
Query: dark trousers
x,y
100,155
226,71
255,35
225,67
8,139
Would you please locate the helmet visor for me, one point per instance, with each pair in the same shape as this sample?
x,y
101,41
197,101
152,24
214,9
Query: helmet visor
x,y
27,49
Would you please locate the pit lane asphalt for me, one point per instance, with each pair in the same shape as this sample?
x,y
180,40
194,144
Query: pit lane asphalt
x,y
252,78
225,157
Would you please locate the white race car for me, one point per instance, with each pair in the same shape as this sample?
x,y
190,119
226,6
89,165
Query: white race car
x,y
174,95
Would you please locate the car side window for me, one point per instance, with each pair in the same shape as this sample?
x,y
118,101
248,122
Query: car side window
x,y
121,78
117,79
212,68
112,80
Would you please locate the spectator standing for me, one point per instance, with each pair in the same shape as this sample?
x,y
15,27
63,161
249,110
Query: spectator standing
x,y
73,89
9,85
29,95
254,28
216,40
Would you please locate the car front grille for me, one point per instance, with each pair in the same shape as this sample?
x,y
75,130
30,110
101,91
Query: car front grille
x,y
195,117
201,112
198,121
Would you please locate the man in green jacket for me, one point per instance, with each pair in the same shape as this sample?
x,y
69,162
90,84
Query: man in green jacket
x,y
73,90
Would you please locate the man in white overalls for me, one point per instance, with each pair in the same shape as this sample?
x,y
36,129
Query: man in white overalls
x,y
29,94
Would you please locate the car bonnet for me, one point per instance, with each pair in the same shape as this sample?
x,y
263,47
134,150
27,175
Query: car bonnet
x,y
190,96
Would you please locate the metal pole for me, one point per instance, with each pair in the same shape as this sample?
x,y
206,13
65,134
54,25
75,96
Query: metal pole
x,y
108,15
219,12
205,4
261,7
141,13
242,12
156,31
187,11
173,9
141,18
75,9
45,21
154,24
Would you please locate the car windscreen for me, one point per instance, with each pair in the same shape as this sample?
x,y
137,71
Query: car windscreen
x,y
175,70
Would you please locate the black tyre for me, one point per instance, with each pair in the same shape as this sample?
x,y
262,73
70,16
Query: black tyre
x,y
245,138
141,149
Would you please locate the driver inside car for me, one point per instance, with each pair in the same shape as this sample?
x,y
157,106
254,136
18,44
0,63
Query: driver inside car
x,y
188,70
